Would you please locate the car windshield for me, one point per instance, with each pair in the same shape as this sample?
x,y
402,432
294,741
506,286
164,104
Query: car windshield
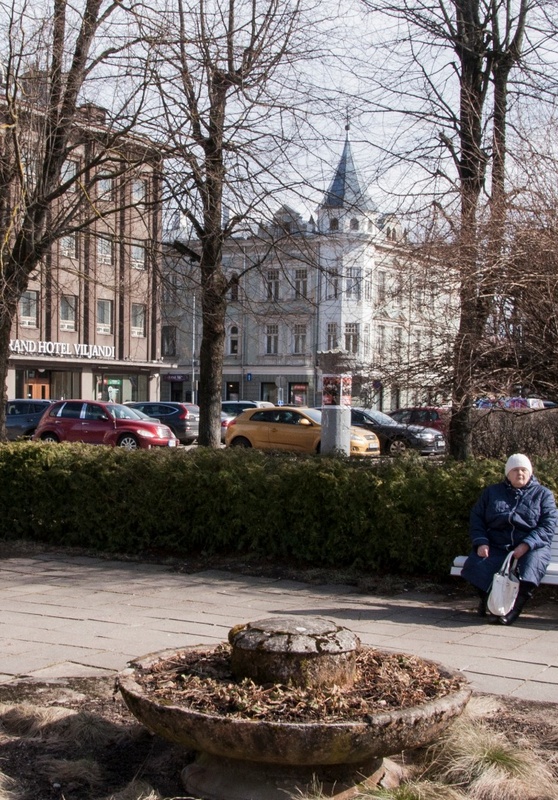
x,y
123,412
379,417
314,413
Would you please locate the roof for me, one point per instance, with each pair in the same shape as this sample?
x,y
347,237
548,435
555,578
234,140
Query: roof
x,y
345,190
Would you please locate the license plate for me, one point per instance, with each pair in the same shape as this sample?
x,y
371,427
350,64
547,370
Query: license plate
x,y
172,442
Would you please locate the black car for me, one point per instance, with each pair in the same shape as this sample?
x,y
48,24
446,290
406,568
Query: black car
x,y
182,418
396,437
22,417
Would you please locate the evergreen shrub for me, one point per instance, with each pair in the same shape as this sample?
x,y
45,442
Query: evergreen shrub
x,y
406,515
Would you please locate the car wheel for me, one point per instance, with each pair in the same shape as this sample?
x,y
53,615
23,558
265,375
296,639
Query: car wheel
x,y
397,447
50,437
128,441
240,441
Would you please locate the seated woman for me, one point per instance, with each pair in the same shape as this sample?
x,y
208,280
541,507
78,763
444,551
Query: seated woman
x,y
519,515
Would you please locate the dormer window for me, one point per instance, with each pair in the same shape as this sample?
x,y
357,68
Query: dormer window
x,y
334,224
354,224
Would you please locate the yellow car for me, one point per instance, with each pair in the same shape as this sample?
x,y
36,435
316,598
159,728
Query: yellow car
x,y
290,428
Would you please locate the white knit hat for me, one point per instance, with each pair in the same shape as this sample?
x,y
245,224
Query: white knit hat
x,y
518,460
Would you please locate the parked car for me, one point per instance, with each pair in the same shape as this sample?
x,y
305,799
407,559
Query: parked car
x,y
225,422
290,428
397,437
182,418
512,402
22,417
96,422
235,407
437,417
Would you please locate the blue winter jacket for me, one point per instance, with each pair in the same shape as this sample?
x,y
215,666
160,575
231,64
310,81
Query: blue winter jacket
x,y
502,518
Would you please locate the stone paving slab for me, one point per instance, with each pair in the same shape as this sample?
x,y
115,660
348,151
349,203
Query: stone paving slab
x,y
72,616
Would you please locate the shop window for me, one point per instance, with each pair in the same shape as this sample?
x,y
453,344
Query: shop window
x,y
29,309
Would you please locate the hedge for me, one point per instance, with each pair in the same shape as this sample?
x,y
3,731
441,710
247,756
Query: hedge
x,y
406,515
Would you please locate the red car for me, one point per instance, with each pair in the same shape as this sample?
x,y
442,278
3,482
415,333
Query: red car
x,y
94,422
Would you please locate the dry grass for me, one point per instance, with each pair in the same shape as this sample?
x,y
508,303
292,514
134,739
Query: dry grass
x,y
136,790
471,755
8,788
417,790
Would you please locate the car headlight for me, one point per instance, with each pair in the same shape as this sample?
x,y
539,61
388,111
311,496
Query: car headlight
x,y
426,437
147,434
357,438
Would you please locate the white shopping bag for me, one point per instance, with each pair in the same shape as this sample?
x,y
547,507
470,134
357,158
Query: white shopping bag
x,y
504,589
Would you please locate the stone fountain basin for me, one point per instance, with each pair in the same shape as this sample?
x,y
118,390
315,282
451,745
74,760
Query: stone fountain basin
x,y
300,744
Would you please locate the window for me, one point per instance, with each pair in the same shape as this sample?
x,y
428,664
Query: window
x,y
368,287
234,286
332,336
381,287
139,191
353,283
351,337
68,245
104,316
168,340
272,284
272,340
354,224
138,320
104,250
169,287
69,173
68,312
417,344
366,339
334,224
105,187
381,340
29,309
332,288
397,342
299,339
301,283
138,255
233,340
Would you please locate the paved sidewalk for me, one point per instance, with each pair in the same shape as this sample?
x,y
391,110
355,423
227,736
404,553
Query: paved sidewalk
x,y
67,616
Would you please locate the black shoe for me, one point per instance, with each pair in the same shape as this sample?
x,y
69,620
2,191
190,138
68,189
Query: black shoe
x,y
510,618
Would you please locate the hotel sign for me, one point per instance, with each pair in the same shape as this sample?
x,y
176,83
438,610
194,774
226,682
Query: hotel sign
x,y
33,347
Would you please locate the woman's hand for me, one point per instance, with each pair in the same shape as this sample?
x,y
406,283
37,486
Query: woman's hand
x,y
482,551
520,550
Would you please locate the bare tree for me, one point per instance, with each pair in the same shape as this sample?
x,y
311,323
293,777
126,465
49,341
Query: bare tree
x,y
231,103
464,60
47,63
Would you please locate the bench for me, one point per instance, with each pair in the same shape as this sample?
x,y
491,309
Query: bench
x,y
551,575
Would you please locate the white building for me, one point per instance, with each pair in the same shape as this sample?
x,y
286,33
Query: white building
x,y
339,294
